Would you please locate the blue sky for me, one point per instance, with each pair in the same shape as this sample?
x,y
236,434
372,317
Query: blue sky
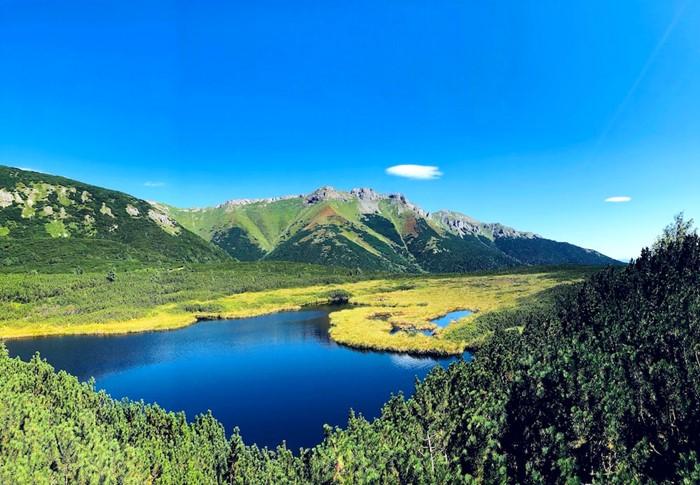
x,y
535,112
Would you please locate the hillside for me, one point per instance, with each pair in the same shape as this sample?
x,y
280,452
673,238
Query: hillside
x,y
48,221
600,387
368,230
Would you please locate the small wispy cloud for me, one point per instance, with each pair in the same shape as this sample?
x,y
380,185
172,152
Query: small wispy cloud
x,y
618,199
416,172
154,184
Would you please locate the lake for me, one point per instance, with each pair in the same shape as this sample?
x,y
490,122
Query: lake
x,y
277,377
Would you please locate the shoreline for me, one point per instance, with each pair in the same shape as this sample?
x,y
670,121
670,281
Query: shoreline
x,y
88,330
376,307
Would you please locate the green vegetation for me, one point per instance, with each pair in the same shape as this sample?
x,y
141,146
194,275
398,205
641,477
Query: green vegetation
x,y
364,229
117,301
339,297
383,315
389,314
341,244
602,385
52,223
450,253
54,429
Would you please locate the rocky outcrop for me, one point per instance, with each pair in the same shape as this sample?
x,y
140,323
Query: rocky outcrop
x,y
132,211
457,223
499,230
367,194
6,198
404,204
368,200
167,224
267,200
324,194
463,225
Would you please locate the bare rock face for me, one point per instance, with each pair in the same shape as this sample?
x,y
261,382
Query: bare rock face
x,y
364,193
167,224
404,204
240,202
326,193
6,198
368,200
132,211
499,230
463,225
458,223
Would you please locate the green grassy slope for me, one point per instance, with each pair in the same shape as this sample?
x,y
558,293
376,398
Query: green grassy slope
x,y
449,253
50,220
545,251
367,230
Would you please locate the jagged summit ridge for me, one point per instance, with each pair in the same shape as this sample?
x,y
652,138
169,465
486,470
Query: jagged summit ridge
x,y
364,228
462,225
367,197
266,200
455,222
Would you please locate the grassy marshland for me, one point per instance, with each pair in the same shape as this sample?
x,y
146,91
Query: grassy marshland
x,y
411,304
56,304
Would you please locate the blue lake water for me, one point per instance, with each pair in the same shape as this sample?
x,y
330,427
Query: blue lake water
x,y
277,377
451,317
441,322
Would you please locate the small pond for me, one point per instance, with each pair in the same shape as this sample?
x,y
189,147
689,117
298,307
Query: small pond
x,y
451,317
441,322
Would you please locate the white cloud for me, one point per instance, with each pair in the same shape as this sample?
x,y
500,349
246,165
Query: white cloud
x,y
417,172
618,198
154,184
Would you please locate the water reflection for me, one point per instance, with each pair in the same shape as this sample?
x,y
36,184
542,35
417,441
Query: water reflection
x,y
278,377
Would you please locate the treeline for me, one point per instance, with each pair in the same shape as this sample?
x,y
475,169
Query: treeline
x,y
603,385
69,298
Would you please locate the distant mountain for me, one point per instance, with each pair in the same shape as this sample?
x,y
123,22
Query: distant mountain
x,y
368,230
50,220
47,220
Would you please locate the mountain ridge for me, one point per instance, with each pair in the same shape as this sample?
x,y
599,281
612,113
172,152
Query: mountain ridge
x,y
365,228
48,220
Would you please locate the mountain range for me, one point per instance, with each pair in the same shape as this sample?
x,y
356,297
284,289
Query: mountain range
x,y
368,230
52,220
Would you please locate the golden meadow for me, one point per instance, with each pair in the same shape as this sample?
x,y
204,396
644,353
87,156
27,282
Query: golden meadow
x,y
161,299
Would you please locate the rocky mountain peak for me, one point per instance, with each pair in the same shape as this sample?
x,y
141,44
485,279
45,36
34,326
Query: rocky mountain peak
x,y
404,204
326,193
368,194
239,202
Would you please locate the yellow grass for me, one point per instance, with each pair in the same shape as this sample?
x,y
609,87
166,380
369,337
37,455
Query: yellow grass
x,y
377,307
369,326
